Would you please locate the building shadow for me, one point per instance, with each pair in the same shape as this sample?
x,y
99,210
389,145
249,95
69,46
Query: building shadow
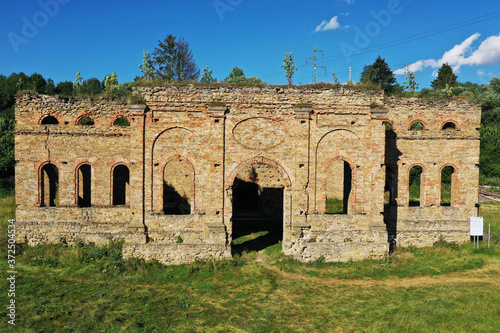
x,y
173,202
392,155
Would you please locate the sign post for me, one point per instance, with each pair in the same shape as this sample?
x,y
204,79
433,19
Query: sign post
x,y
476,229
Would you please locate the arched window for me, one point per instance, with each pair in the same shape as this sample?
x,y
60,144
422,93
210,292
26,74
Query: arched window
x,y
387,125
50,120
446,185
415,185
449,126
84,195
338,187
417,126
86,121
121,181
178,187
122,121
49,186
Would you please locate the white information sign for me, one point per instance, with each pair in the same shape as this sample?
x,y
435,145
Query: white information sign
x,y
476,226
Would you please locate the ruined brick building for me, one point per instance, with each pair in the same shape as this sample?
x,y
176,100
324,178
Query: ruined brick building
x,y
201,165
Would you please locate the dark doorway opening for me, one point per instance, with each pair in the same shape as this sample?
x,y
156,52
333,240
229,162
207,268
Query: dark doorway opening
x,y
84,186
121,180
49,196
257,216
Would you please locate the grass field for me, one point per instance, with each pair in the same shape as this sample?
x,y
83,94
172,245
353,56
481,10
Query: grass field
x,y
444,288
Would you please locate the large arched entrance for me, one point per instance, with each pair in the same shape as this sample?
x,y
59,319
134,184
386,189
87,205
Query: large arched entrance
x,y
257,207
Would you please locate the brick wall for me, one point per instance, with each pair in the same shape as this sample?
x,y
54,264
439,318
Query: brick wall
x,y
202,140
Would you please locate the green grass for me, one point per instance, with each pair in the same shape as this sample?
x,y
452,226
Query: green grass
x,y
444,288
334,206
249,237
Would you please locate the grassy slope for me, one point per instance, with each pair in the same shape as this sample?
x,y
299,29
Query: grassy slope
x,y
85,288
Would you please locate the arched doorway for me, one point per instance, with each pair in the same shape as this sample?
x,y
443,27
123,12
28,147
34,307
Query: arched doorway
x,y
257,207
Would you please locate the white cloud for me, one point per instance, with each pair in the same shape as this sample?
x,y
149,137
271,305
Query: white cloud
x,y
349,2
330,25
463,54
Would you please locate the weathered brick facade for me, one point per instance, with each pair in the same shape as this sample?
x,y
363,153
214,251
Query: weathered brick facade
x,y
195,160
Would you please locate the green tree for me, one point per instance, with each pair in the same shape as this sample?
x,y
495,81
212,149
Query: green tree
x,y
289,66
206,76
379,73
489,161
37,83
174,60
77,85
367,74
7,161
111,84
489,97
147,66
410,84
236,76
92,87
50,88
64,88
335,79
445,77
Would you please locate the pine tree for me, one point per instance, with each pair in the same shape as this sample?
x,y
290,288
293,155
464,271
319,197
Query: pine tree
x,y
379,73
446,79
174,60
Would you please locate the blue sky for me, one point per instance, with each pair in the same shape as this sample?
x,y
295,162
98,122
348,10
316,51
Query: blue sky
x,y
58,38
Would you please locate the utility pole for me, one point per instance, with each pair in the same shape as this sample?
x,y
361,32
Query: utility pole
x,y
315,63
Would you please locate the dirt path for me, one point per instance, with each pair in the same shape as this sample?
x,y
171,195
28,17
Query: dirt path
x,y
488,274
485,195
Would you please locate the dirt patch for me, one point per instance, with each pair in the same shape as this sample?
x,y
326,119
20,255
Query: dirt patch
x,y
489,274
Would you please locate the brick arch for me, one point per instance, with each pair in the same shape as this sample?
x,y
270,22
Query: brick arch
x,y
113,164
164,160
344,157
411,166
390,122
449,162
422,182
419,120
166,130
337,130
118,116
40,167
156,176
51,114
259,160
85,114
76,178
323,180
455,194
452,121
